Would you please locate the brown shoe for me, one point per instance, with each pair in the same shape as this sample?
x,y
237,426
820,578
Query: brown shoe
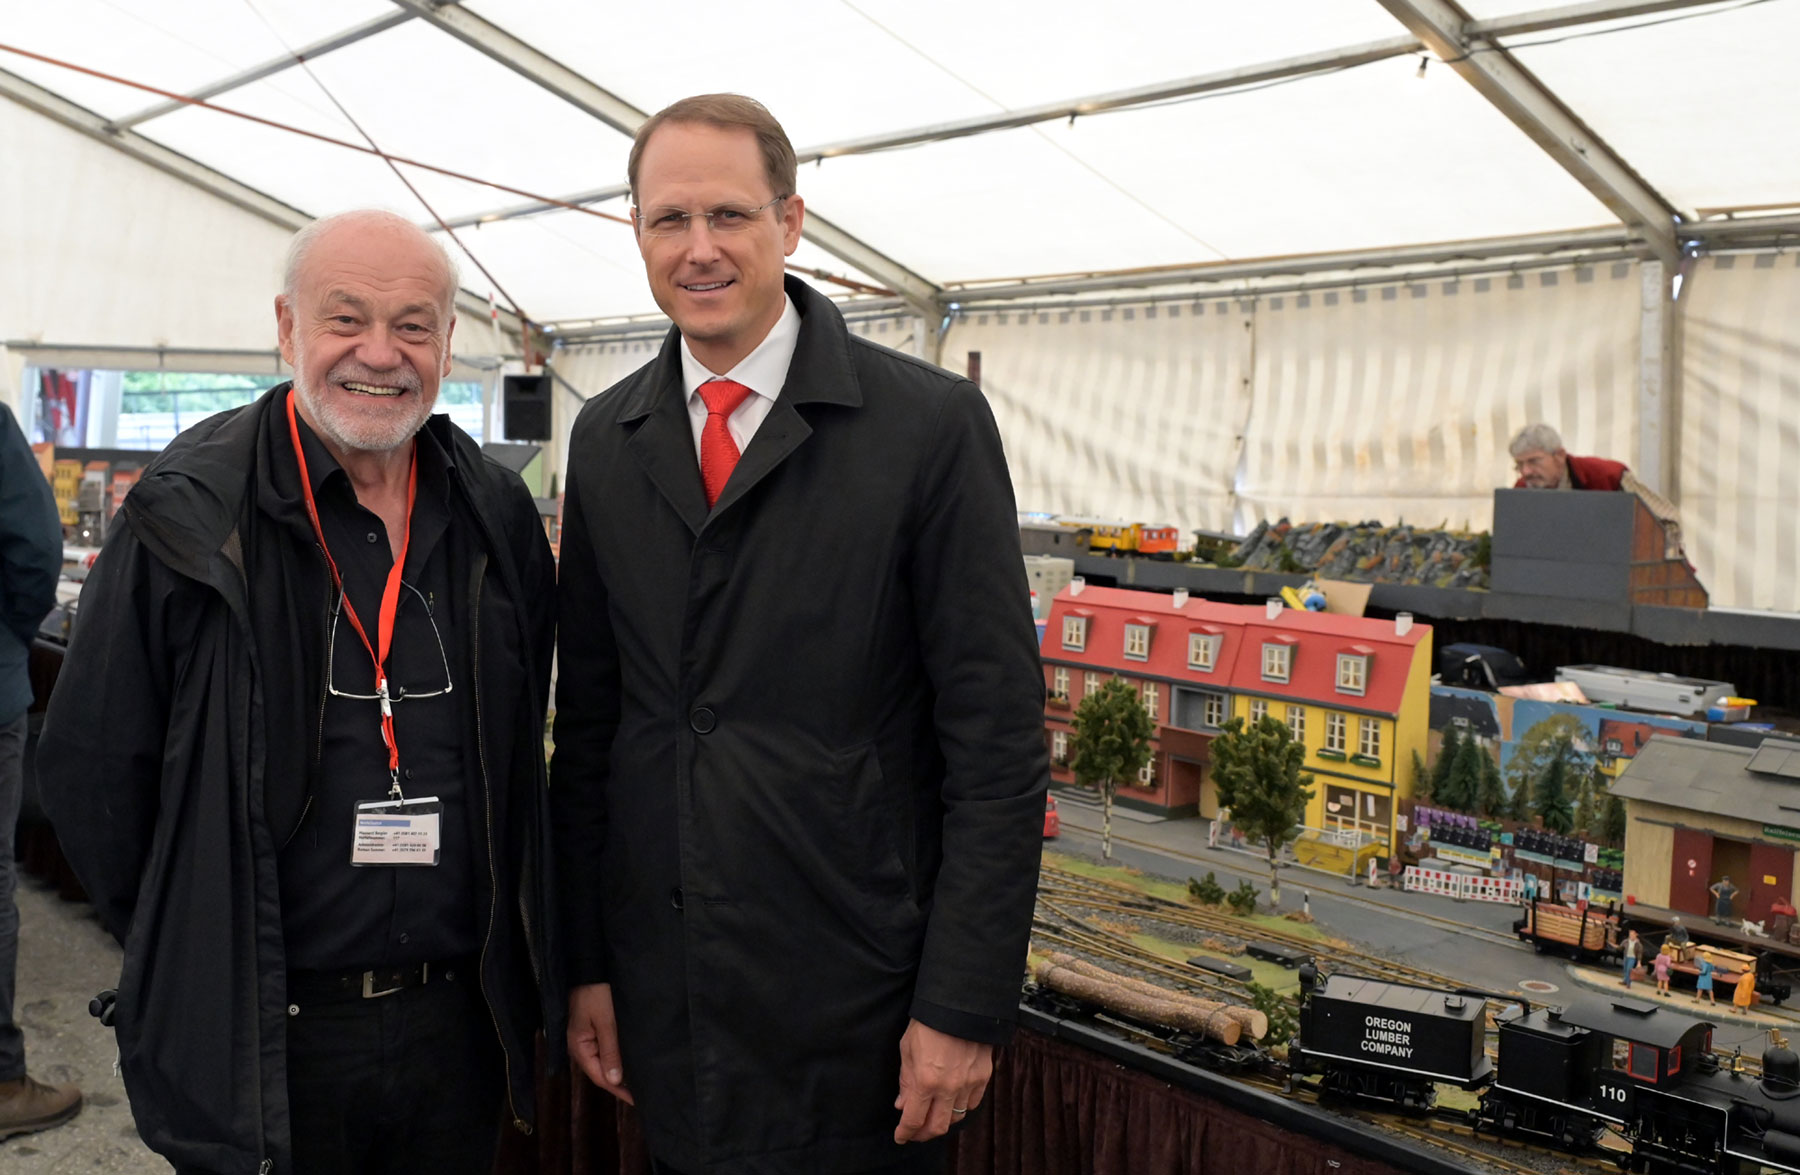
x,y
28,1105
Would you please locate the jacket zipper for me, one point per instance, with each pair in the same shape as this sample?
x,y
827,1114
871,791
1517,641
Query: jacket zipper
x,y
487,800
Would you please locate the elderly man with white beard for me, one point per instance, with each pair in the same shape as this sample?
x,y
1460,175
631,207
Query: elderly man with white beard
x,y
295,754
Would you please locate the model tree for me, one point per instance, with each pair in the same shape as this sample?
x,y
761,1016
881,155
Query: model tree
x,y
1490,794
1462,784
1587,803
1440,767
1551,799
1257,771
1612,820
1109,741
1560,736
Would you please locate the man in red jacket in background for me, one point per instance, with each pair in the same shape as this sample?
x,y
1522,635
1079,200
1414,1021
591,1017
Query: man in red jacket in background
x,y
1543,464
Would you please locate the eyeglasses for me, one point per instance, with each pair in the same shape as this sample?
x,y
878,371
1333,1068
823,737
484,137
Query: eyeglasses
x,y
401,693
727,218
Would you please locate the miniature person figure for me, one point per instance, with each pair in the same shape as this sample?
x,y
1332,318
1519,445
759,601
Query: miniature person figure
x,y
1679,935
1745,994
1661,969
1722,891
1629,956
1703,986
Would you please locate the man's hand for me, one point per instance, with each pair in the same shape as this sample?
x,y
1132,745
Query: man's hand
x,y
941,1078
594,1039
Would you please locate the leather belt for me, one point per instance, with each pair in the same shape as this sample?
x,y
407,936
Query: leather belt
x,y
372,984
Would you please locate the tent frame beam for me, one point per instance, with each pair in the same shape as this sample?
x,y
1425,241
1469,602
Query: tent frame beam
x,y
78,118
269,68
1513,90
1540,20
540,69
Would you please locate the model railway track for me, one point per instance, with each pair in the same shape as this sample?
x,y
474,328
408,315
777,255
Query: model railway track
x,y
1260,872
1074,889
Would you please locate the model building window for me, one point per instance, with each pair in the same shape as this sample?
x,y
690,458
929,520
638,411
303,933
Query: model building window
x,y
1353,673
1203,650
1075,632
1368,740
1137,642
1150,698
1059,746
1296,716
1259,709
1089,683
1147,774
1215,709
1334,732
1059,682
1276,660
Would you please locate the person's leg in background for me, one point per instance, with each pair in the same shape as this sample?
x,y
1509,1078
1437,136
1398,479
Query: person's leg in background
x,y
26,1104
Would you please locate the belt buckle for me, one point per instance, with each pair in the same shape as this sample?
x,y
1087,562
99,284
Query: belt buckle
x,y
368,984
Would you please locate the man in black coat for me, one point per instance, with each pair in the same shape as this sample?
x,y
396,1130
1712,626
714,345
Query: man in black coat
x,y
296,757
800,762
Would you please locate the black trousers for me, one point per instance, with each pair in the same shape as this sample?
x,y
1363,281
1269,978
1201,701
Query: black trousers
x,y
410,1083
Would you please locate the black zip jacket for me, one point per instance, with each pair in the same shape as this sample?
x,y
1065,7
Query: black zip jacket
x,y
175,755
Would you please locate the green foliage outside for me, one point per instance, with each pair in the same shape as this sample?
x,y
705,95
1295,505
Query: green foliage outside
x,y
1257,772
1109,740
202,393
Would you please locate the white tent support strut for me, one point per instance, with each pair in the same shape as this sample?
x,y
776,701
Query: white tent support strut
x,y
1655,465
625,118
1516,93
268,68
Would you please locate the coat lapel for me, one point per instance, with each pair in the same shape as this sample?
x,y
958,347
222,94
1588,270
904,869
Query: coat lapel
x,y
663,442
821,372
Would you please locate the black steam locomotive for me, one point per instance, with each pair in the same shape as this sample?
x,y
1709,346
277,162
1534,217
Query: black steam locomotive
x,y
1564,1077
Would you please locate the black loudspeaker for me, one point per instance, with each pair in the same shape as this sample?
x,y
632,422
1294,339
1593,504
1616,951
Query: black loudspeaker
x,y
525,407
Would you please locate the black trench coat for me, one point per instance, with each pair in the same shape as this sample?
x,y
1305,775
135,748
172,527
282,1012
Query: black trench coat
x,y
800,761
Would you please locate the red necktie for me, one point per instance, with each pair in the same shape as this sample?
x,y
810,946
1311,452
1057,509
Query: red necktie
x,y
718,452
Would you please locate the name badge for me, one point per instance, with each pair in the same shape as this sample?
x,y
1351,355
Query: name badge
x,y
397,832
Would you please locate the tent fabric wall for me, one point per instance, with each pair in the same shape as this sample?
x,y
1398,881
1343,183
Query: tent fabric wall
x,y
1740,429
1127,412
116,252
1396,402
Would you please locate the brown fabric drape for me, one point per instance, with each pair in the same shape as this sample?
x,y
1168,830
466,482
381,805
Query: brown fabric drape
x,y
1053,1108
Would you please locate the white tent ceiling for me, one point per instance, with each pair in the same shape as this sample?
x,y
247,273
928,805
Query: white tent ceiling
x,y
1689,105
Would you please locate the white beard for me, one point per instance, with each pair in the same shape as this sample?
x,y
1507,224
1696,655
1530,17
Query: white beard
x,y
386,426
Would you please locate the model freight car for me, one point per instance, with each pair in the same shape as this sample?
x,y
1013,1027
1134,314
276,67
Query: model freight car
x,y
1389,1042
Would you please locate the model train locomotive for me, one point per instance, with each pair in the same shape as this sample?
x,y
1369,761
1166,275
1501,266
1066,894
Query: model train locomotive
x,y
1562,1077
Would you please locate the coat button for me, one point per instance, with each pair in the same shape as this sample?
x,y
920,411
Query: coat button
x,y
702,720
675,898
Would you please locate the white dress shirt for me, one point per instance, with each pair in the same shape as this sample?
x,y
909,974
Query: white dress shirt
x,y
763,371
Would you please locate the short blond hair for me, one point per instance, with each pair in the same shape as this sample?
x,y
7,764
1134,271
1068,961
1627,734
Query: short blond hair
x,y
728,112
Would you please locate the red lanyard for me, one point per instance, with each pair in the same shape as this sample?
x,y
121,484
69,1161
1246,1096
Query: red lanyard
x,y
390,595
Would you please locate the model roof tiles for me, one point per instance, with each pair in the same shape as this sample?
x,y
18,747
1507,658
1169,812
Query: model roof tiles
x,y
1316,638
1712,777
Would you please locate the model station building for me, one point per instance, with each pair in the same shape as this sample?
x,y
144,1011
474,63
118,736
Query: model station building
x,y
1698,811
1354,691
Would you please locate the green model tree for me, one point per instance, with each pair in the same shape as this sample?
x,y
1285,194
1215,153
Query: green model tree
x,y
1587,810
1490,793
1109,741
1440,767
1612,820
1560,736
1551,799
1462,783
1257,771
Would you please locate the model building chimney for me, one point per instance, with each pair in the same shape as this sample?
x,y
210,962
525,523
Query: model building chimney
x,y
1272,608
1402,623
1181,597
1076,583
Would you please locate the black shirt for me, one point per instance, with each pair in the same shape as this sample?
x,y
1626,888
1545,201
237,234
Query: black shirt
x,y
336,916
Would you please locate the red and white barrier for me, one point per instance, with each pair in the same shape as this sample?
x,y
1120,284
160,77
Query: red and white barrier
x,y
1462,886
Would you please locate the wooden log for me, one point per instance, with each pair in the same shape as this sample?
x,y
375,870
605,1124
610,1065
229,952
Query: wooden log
x,y
1255,1023
1196,1014
1117,998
